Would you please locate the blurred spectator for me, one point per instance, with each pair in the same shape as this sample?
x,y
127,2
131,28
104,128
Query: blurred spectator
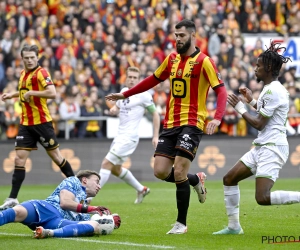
x,y
89,128
6,42
69,108
230,119
9,77
100,40
294,120
2,121
12,121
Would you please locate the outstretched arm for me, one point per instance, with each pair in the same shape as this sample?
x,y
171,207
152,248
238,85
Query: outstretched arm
x,y
143,86
67,202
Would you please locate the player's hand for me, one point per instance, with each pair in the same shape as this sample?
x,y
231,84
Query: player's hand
x,y
6,96
115,96
98,210
211,126
247,93
26,96
233,100
154,141
117,220
114,110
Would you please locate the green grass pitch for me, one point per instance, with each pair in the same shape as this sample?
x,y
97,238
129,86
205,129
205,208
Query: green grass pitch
x,y
144,226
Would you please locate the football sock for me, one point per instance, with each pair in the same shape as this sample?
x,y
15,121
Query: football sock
x,y
104,174
232,199
128,177
74,230
284,197
17,180
183,192
171,177
66,168
193,179
7,216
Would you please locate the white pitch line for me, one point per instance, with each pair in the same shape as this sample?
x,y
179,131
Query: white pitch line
x,y
102,242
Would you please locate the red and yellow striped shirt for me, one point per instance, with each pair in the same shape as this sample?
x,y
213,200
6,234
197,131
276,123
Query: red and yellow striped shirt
x,y
190,79
36,111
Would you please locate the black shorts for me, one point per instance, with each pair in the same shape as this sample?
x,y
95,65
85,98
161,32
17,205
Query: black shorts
x,y
28,136
179,141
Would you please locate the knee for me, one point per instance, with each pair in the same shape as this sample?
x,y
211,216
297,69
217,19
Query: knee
x,y
160,173
21,213
228,180
263,199
116,171
19,161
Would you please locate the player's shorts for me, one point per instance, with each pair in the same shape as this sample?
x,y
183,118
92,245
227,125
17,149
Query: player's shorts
x,y
41,213
28,136
266,161
179,141
120,149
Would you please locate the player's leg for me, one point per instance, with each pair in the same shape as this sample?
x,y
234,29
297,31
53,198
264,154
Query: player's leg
x,y
72,229
24,144
183,192
16,214
45,134
243,169
67,229
61,162
105,170
274,157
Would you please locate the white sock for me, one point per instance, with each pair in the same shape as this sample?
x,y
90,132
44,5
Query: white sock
x,y
284,197
232,199
128,177
104,174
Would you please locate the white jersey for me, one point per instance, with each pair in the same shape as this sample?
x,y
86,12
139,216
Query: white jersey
x,y
273,102
132,110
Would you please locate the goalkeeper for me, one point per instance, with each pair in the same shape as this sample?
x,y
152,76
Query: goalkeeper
x,y
65,212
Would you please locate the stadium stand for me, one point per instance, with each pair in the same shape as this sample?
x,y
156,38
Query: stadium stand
x,y
87,45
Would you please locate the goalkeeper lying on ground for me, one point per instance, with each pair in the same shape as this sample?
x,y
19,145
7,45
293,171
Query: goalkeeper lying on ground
x,y
64,212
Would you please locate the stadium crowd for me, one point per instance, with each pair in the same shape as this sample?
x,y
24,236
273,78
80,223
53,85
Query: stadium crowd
x,y
87,45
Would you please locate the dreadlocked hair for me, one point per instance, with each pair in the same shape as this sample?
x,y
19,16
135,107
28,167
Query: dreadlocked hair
x,y
272,60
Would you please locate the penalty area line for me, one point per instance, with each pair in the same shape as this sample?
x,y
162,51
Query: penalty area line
x,y
101,241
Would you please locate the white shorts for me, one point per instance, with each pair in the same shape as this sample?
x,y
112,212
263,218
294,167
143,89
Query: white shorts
x,y
266,161
120,149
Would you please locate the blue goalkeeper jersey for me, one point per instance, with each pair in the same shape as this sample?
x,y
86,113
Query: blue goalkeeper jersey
x,y
73,185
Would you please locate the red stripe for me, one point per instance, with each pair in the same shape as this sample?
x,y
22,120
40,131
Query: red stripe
x,y
45,75
171,57
37,100
194,88
26,104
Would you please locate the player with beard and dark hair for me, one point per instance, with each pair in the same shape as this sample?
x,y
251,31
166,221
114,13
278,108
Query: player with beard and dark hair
x,y
191,74
271,148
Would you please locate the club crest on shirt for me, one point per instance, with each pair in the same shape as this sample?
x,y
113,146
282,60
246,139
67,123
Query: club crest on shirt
x,y
179,72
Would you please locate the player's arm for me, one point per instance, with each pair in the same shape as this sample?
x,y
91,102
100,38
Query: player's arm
x,y
67,202
156,123
115,110
49,93
6,96
143,86
213,77
258,122
247,93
